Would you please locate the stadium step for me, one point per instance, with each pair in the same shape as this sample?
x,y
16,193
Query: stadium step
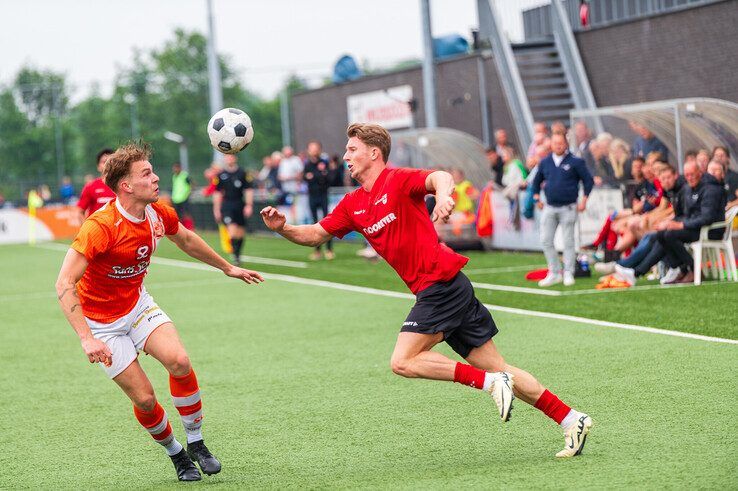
x,y
544,80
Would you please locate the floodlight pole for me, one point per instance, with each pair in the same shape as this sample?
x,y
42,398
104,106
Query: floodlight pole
x,y
429,77
214,77
131,100
284,113
179,139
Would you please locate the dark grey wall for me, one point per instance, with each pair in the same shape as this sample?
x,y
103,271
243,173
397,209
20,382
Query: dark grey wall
x,y
322,114
690,53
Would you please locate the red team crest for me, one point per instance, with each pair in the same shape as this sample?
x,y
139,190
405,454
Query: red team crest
x,y
158,229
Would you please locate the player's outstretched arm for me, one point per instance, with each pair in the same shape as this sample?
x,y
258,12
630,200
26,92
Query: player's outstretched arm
x,y
193,245
307,235
442,185
72,269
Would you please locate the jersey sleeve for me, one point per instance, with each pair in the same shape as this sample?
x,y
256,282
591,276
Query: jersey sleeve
x,y
412,181
338,222
168,217
92,239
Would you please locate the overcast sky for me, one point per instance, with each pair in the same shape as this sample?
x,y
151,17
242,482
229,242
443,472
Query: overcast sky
x,y
266,40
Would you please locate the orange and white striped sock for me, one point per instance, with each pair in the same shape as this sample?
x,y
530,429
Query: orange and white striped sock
x,y
186,398
157,424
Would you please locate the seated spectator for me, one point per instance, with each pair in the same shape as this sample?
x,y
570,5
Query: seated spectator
x,y
691,156
582,137
601,169
703,158
702,203
620,160
646,142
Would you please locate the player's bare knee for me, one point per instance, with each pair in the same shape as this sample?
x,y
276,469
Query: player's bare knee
x,y
180,365
145,401
401,367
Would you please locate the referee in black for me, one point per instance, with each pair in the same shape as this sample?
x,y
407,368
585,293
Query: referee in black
x,y
233,201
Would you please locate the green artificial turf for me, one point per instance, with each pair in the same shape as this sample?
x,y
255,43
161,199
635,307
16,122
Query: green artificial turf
x,y
297,390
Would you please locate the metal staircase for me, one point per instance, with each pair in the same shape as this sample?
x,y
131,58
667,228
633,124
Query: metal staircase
x,y
545,81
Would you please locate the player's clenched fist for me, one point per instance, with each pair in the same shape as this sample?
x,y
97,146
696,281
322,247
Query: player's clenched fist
x,y
97,351
443,209
273,218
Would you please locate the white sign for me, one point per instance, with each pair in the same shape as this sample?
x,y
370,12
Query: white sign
x,y
389,108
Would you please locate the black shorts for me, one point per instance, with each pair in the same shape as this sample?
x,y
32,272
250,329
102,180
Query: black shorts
x,y
233,214
182,208
451,308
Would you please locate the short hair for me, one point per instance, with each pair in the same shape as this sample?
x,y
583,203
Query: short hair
x,y
720,147
118,165
372,135
665,166
691,153
104,151
639,159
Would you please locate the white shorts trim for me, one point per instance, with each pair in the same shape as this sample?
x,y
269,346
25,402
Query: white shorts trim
x,y
127,335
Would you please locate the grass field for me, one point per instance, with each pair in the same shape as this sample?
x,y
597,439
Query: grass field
x,y
298,392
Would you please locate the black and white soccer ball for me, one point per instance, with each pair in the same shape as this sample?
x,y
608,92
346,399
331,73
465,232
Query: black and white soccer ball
x,y
230,130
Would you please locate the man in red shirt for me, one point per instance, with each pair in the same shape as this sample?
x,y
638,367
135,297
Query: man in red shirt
x,y
101,292
95,193
389,210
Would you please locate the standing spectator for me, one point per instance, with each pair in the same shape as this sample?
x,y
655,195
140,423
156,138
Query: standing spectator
x,y
318,178
95,193
540,133
290,177
582,137
562,172
501,140
558,128
721,155
647,143
620,160
496,165
233,201
336,171
66,190
269,177
181,190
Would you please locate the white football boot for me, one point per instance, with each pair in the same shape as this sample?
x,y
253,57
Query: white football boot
x,y
550,280
502,392
575,436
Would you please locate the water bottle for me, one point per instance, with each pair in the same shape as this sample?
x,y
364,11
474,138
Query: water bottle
x,y
584,263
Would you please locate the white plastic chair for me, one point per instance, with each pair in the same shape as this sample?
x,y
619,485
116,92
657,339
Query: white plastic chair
x,y
712,250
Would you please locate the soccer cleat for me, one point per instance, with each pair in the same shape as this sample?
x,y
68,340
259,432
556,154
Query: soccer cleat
x,y
550,280
186,470
502,392
575,436
200,454
671,276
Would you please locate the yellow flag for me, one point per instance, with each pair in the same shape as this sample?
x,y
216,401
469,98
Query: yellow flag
x,y
225,240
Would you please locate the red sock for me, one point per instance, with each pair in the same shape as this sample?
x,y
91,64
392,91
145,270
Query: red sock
x,y
156,423
552,406
469,375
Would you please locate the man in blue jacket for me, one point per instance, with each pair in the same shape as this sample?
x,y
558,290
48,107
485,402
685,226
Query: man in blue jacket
x,y
703,202
562,172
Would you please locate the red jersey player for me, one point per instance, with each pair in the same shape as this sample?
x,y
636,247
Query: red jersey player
x,y
101,292
95,193
389,210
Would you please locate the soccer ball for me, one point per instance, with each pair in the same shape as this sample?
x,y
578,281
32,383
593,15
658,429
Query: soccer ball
x,y
230,130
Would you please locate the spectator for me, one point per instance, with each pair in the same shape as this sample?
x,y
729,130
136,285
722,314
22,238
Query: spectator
x,y
646,143
66,190
181,190
2,201
702,202
540,133
496,165
336,171
690,156
317,176
269,177
501,140
620,160
562,172
600,168
721,155
703,158
290,177
584,13
582,137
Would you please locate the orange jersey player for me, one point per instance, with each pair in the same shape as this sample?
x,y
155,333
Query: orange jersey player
x,y
100,290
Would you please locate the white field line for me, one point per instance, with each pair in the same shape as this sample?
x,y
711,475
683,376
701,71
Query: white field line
x,y
511,310
274,262
518,289
508,269
500,308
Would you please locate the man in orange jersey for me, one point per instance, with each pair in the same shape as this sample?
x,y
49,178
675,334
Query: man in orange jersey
x,y
100,290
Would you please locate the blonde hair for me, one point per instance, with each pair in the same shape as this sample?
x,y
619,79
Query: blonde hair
x,y
372,135
118,165
618,164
